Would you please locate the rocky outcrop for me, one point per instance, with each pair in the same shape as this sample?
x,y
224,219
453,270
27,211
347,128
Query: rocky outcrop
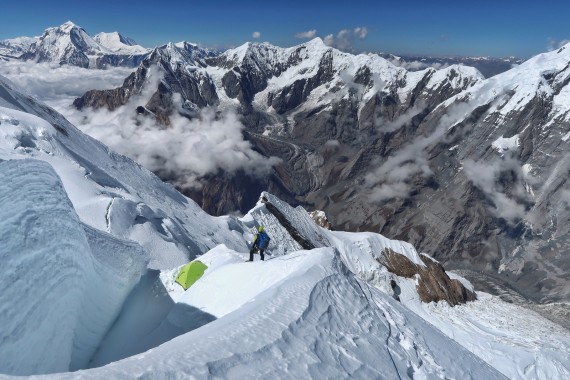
x,y
320,218
434,284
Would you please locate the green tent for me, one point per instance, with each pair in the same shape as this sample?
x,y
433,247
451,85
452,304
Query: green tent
x,y
190,273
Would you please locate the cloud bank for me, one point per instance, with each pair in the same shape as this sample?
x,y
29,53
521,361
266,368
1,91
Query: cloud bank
x,y
208,144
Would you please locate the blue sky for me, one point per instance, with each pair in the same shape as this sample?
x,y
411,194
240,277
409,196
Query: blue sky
x,y
497,28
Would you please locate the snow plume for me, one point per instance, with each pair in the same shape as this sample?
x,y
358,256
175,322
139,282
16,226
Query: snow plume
x,y
309,34
344,39
489,177
554,44
361,32
393,178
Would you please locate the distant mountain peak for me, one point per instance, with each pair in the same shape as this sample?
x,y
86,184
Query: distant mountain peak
x,y
114,37
69,44
68,24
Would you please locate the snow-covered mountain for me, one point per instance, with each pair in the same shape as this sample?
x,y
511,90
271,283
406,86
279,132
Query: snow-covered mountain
x,y
504,150
92,242
14,47
309,94
181,68
385,149
70,44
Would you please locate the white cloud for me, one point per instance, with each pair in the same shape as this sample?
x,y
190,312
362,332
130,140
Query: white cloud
x,y
309,34
192,149
256,35
344,39
485,175
393,178
388,126
417,65
55,84
329,40
361,32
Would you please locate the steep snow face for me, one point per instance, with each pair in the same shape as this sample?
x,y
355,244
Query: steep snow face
x,y
119,44
64,283
543,76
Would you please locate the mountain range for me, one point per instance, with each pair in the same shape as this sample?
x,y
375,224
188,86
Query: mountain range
x,y
469,169
92,244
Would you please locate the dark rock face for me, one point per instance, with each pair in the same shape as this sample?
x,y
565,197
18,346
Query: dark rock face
x,y
197,89
434,284
321,219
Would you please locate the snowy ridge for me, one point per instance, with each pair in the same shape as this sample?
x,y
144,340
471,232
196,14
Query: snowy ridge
x,y
119,44
182,54
544,76
70,44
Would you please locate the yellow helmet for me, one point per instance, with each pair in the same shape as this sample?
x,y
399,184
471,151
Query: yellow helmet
x,y
260,228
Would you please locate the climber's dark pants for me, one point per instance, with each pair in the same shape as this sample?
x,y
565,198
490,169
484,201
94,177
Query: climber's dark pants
x,y
256,248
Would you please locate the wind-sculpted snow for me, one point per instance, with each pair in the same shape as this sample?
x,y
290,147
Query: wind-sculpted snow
x,y
63,283
301,315
45,256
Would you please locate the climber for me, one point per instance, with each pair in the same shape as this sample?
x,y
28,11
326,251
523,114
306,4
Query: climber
x,y
260,243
